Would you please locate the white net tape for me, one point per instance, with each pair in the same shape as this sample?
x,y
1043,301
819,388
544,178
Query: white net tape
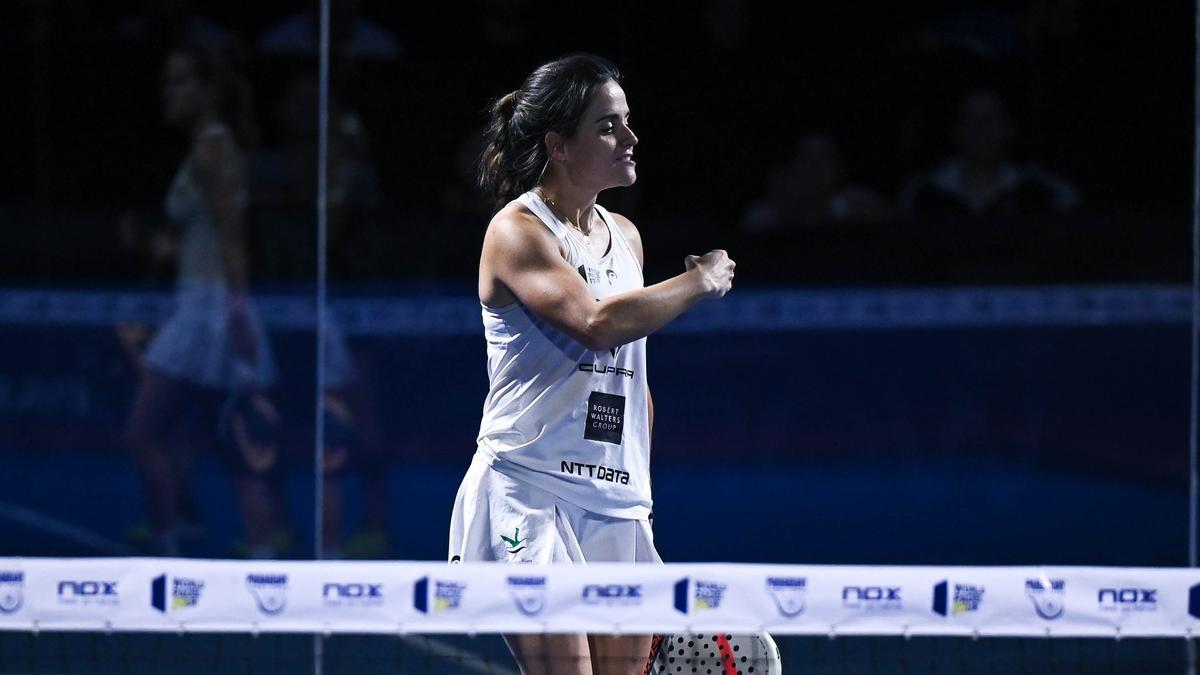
x,y
326,597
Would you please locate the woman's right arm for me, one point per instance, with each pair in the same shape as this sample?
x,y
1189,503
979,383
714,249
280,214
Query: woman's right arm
x,y
523,256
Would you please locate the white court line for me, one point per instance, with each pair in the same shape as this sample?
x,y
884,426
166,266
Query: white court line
x,y
467,660
65,530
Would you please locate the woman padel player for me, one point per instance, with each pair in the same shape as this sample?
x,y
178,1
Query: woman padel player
x,y
562,468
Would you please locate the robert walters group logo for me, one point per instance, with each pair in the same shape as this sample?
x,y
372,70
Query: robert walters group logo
x,y
269,591
966,598
184,593
446,595
1047,596
12,591
529,594
789,594
697,595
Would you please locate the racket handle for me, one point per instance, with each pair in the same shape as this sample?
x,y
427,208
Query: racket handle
x,y
655,647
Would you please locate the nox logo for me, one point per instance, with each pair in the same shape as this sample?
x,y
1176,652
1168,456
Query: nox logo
x,y
1047,596
12,591
87,588
269,591
789,594
529,594
872,597
88,592
333,590
1127,599
612,594
357,594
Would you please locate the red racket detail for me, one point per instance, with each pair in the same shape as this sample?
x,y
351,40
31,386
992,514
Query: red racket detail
x,y
655,647
728,664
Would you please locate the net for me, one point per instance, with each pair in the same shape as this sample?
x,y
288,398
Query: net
x,y
143,615
238,653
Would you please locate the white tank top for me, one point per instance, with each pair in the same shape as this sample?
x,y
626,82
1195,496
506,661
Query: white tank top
x,y
569,420
200,246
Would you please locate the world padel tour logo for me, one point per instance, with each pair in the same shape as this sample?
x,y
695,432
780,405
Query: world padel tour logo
x,y
966,598
529,594
698,595
269,591
12,591
789,594
1047,596
1194,601
88,592
438,596
184,593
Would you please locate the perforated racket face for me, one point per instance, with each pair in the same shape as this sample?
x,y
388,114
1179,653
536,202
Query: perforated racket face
x,y
716,654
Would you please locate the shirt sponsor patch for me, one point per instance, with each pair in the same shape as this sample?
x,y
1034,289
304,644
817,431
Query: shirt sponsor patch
x,y
606,418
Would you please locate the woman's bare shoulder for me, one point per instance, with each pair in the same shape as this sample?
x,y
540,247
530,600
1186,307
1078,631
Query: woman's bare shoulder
x,y
631,233
515,230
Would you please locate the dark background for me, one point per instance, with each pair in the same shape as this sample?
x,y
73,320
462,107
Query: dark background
x,y
1099,93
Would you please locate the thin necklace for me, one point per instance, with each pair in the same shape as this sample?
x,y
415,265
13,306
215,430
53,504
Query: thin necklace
x,y
554,210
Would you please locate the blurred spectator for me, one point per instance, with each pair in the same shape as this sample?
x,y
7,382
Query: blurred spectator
x,y
352,443
982,180
504,25
811,190
284,184
174,21
204,375
986,32
461,199
727,23
352,37
284,194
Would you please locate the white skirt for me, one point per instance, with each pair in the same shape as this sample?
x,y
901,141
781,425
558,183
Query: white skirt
x,y
195,344
498,518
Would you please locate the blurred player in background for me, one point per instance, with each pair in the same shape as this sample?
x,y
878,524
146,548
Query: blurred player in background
x,y
208,366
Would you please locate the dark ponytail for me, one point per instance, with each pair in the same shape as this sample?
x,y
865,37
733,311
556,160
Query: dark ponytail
x,y
496,176
553,98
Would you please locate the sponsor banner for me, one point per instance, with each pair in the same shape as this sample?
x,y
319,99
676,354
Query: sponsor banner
x,y
160,594
859,600
606,594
